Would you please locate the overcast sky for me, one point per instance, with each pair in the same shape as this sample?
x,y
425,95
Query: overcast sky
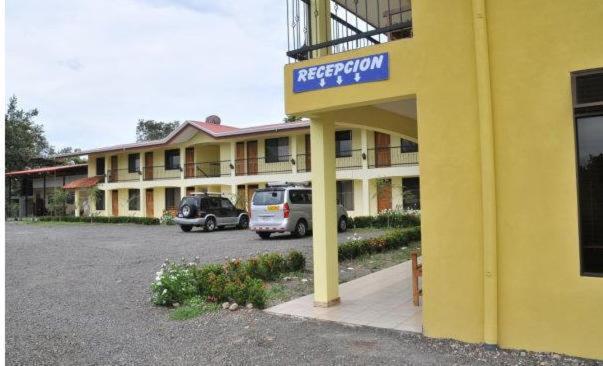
x,y
94,67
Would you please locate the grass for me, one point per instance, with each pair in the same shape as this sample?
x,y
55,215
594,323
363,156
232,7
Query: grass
x,y
193,308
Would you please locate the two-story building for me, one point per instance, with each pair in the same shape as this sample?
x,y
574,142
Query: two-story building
x,y
375,171
509,116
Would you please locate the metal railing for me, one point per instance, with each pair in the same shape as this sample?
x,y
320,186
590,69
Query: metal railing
x,y
350,159
257,166
160,172
353,24
209,169
122,175
382,157
304,163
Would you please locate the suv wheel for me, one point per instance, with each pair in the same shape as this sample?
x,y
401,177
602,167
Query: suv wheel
x,y
210,224
244,222
301,229
186,228
264,235
342,225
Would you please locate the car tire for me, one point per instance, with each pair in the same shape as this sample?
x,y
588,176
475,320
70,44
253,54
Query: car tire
x,y
264,235
186,228
301,229
342,224
244,222
210,224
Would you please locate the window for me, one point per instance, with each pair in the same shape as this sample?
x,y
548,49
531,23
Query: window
x,y
343,144
172,159
133,199
70,200
100,166
172,198
225,202
277,150
99,200
345,194
268,197
408,146
588,113
297,197
133,163
411,196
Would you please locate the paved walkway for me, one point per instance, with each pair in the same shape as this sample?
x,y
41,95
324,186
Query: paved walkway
x,y
382,299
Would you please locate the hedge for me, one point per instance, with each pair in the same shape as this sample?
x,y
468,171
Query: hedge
x,y
103,219
383,220
392,240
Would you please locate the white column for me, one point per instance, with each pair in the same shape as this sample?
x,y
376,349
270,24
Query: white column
x,y
293,152
143,202
182,161
233,149
364,147
108,202
366,198
77,203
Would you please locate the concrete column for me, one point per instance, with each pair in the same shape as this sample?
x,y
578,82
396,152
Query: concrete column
x,y
293,152
233,152
77,203
182,167
143,202
108,202
320,21
364,147
366,198
324,214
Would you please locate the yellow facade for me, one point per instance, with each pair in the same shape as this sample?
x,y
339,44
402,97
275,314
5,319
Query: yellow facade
x,y
491,83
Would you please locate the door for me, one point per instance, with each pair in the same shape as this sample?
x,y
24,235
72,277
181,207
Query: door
x,y
384,195
189,162
114,202
150,203
252,157
148,165
113,176
240,201
382,150
308,155
190,190
228,211
240,159
250,191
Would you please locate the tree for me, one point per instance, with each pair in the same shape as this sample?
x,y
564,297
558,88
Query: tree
x,y
147,130
25,140
291,118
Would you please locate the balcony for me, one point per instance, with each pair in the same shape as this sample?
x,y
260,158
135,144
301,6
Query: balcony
x,y
209,169
282,164
353,24
380,157
160,172
122,175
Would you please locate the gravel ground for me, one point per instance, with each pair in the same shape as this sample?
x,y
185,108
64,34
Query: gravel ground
x,y
78,294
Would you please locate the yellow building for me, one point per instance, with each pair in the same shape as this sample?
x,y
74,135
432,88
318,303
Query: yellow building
x,y
511,242
374,170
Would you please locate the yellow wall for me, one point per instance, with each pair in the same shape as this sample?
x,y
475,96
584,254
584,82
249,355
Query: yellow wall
x,y
543,303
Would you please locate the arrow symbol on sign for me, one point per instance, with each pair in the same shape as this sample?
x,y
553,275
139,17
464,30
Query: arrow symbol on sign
x,y
357,77
322,83
339,80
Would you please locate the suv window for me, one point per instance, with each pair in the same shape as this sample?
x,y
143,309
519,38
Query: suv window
x,y
270,197
191,201
227,204
297,197
309,196
213,202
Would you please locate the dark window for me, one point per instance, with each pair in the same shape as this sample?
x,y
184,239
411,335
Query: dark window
x,y
269,197
172,159
133,199
225,202
411,196
100,166
309,196
213,203
99,200
133,163
70,198
345,194
343,144
408,146
277,150
588,112
172,198
297,197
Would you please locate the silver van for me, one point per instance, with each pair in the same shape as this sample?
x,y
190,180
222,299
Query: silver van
x,y
286,208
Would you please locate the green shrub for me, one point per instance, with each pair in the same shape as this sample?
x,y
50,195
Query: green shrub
x,y
392,240
295,261
174,284
103,219
271,265
395,219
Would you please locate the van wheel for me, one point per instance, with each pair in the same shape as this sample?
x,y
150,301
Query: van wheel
x,y
301,229
186,228
342,225
264,235
244,222
210,224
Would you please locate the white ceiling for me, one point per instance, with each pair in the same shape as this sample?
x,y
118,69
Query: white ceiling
x,y
405,107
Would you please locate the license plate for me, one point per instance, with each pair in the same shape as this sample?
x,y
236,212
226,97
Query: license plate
x,y
272,208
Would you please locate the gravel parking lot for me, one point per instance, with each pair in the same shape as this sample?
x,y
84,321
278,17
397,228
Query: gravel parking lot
x,y
78,294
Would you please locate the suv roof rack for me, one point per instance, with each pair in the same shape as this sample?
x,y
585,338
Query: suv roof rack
x,y
287,184
206,194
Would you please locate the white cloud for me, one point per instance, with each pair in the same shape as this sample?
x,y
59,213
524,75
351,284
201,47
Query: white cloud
x,y
93,68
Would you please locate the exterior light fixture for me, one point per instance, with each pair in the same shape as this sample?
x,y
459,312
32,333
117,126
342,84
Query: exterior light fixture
x,y
292,161
363,156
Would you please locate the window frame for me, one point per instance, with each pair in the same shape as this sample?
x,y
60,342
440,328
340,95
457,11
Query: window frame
x,y
339,153
402,146
100,197
133,199
168,162
582,111
173,196
338,193
270,158
134,163
98,160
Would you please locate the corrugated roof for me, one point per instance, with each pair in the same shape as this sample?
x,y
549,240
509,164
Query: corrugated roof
x,y
86,182
213,130
48,169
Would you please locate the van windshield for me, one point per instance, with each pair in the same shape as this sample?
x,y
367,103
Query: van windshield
x,y
262,198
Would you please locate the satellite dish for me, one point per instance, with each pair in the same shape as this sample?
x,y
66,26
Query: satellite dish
x,y
213,119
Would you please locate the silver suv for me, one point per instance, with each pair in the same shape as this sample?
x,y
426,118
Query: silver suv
x,y
286,208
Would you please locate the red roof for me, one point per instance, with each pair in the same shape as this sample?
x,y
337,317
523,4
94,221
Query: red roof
x,y
214,127
83,182
47,169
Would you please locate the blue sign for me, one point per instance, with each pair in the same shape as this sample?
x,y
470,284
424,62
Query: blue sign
x,y
341,73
